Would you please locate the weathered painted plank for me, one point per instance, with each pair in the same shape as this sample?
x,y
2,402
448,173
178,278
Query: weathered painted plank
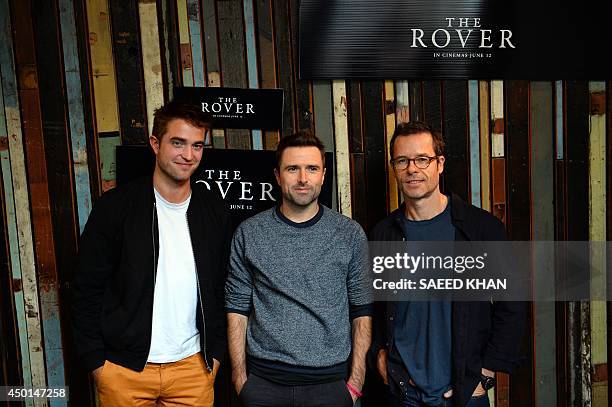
x,y
184,43
392,192
211,52
356,147
211,42
193,16
87,90
498,196
104,83
22,204
324,120
10,364
103,66
597,233
284,67
59,174
75,110
543,225
342,156
355,117
402,102
11,227
233,66
251,56
151,58
266,58
456,168
303,88
497,118
47,279
130,82
474,130
169,51
576,150
562,320
519,214
416,100
485,146
432,104
609,217
559,128
375,151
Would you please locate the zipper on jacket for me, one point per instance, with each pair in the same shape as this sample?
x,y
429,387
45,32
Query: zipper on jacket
x,y
154,272
154,248
200,302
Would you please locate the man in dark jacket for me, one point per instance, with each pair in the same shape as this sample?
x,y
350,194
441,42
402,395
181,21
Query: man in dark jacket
x,y
148,289
439,353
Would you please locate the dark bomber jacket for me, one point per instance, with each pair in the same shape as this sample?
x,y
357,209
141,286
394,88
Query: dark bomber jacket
x,y
112,293
484,334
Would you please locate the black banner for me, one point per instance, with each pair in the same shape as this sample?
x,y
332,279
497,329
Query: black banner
x,y
234,108
243,179
468,39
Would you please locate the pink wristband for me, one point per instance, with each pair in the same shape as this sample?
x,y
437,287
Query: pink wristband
x,y
353,390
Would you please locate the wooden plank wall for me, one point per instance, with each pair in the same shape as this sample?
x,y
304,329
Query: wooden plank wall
x,y
80,77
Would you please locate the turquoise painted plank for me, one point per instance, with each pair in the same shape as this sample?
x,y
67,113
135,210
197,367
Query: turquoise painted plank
x,y
21,251
474,143
11,225
559,118
76,116
193,15
251,54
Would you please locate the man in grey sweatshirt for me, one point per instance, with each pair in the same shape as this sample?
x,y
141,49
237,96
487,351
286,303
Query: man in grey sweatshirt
x,y
297,295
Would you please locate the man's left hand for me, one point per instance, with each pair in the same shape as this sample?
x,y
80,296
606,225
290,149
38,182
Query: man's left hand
x,y
479,391
355,386
216,365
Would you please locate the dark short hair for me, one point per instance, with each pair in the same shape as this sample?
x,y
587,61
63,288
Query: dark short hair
x,y
190,112
299,139
416,127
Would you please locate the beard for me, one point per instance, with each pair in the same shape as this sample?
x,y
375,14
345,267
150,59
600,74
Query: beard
x,y
424,192
301,199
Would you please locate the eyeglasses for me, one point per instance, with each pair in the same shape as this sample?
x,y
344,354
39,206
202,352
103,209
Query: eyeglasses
x,y
401,163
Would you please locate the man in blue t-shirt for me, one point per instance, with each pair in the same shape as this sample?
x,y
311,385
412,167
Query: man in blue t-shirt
x,y
424,350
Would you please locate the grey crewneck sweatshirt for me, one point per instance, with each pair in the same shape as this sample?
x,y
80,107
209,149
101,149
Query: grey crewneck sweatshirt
x,y
296,284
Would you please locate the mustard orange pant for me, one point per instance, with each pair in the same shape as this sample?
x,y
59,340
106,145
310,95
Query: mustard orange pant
x,y
183,383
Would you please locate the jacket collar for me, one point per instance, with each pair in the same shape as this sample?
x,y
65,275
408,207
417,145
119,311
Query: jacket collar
x,y
458,213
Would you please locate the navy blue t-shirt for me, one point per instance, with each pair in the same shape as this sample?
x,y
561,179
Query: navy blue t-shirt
x,y
422,336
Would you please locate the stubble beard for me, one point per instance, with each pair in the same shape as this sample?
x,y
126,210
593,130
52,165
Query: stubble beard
x,y
415,196
301,201
173,174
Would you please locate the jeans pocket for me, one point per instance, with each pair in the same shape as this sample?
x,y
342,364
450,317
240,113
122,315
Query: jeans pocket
x,y
244,387
99,379
347,394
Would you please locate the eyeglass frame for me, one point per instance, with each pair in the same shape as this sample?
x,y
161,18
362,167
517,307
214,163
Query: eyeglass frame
x,y
409,160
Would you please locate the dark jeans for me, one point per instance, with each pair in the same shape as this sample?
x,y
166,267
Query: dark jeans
x,y
410,399
259,392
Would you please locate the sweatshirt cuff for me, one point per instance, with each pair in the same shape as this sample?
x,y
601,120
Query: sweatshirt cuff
x,y
237,311
356,311
496,364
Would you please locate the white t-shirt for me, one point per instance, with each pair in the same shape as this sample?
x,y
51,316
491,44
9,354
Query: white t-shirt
x,y
174,335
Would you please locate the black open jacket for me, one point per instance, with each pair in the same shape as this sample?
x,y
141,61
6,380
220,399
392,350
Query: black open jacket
x,y
112,292
484,334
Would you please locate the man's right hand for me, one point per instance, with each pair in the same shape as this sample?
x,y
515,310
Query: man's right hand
x,y
239,383
381,364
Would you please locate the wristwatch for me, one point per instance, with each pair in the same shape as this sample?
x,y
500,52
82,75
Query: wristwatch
x,y
487,382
